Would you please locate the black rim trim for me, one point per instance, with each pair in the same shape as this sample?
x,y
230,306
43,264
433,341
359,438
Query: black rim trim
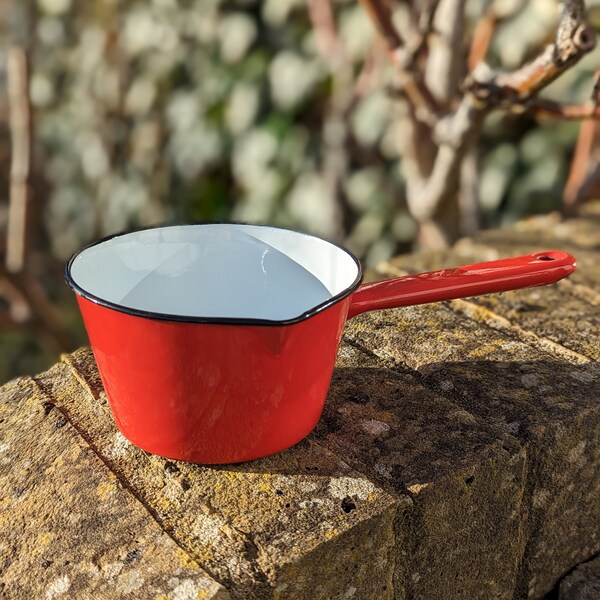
x,y
208,320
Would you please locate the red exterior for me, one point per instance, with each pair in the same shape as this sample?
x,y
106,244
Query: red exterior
x,y
220,393
211,393
489,277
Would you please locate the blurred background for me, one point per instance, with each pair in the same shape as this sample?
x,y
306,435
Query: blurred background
x,y
171,111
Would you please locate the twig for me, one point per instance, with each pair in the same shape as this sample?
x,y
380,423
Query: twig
x,y
494,13
468,198
574,39
30,305
18,306
444,63
412,86
334,162
328,41
482,37
590,184
580,165
20,128
549,108
580,179
381,16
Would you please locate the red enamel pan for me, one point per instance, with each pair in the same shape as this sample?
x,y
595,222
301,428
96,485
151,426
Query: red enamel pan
x,y
216,343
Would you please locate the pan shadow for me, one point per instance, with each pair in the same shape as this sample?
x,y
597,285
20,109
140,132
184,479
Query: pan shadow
x,y
399,427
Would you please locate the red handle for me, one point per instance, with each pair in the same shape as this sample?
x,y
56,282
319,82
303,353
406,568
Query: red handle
x,y
503,275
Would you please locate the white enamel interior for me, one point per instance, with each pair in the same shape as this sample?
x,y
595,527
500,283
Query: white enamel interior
x,y
216,271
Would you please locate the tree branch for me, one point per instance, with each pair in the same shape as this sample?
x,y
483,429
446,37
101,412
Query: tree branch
x,y
433,183
456,134
29,304
548,108
381,15
486,90
444,61
574,39
328,41
412,86
494,13
20,129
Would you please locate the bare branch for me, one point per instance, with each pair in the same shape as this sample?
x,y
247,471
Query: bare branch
x,y
589,186
468,198
444,61
29,303
494,13
580,165
381,16
482,38
548,108
20,129
412,87
456,134
574,39
583,175
487,90
328,41
18,306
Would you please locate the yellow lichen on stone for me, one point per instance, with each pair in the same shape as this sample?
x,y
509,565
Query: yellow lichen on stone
x,y
45,538
185,560
264,486
56,463
105,489
163,503
485,350
41,543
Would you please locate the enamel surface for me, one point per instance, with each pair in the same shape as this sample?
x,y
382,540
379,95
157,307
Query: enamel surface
x,y
216,271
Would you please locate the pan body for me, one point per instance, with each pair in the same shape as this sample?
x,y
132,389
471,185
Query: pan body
x,y
215,343
210,393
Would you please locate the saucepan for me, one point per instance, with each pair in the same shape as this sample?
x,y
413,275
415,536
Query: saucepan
x,y
216,342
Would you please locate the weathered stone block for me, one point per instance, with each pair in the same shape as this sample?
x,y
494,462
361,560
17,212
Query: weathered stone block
x,y
267,527
562,315
462,535
458,457
549,405
583,583
68,527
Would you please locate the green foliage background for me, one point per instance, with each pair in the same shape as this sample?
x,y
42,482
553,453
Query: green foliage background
x,y
162,111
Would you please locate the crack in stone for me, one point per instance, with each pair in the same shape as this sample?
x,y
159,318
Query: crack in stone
x,y
122,480
492,320
252,548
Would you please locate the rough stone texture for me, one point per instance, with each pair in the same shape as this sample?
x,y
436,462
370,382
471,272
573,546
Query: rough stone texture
x,y
68,528
458,457
264,527
462,534
583,583
521,360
